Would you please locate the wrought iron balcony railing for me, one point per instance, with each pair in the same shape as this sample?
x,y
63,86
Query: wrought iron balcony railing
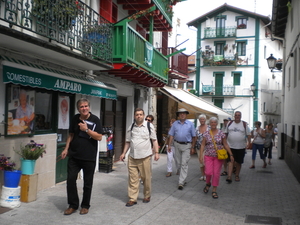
x,y
70,23
213,32
212,90
219,60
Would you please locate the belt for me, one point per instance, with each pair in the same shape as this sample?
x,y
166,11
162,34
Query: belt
x,y
183,143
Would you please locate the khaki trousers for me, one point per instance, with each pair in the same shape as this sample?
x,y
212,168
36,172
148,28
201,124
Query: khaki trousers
x,y
136,167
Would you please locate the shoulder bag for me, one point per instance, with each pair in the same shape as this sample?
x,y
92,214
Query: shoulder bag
x,y
222,153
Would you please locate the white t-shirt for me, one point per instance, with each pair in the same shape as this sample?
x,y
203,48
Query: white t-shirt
x,y
237,137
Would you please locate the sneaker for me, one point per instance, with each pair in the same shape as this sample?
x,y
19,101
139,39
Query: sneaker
x,y
180,187
202,178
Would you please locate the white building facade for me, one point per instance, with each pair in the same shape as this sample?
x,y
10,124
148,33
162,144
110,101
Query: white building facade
x,y
286,27
231,68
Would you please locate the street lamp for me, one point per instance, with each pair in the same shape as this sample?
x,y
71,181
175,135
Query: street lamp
x,y
271,62
252,88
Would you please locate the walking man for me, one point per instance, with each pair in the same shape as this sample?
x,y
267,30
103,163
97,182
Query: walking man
x,y
139,137
237,131
81,147
184,136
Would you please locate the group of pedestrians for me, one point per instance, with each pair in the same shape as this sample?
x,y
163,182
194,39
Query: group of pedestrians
x,y
183,141
235,136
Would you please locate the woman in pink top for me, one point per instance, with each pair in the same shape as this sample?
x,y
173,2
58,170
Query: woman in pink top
x,y
208,154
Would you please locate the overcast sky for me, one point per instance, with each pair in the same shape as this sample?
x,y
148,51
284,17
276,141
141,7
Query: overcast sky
x,y
191,9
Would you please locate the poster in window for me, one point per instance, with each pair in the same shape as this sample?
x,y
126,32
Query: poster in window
x,y
63,113
21,114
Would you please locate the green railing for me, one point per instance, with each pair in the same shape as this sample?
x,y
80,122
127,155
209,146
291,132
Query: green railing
x,y
213,32
129,48
166,8
68,22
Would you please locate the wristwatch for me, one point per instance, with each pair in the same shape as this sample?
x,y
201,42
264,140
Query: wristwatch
x,y
86,130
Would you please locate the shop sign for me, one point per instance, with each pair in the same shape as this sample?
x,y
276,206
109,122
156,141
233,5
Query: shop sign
x,y
33,79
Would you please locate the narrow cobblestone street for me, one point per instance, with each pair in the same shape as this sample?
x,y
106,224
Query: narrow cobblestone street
x,y
272,194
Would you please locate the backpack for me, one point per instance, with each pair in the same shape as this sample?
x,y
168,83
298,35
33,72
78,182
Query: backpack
x,y
148,125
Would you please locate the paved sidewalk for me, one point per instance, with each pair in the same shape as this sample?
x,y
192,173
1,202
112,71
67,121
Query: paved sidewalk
x,y
271,192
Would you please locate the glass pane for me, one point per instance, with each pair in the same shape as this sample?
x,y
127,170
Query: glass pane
x,y
21,110
43,108
63,118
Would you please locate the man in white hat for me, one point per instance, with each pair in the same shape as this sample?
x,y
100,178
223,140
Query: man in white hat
x,y
184,136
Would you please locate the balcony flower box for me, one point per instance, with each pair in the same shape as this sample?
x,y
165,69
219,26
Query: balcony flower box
x,y
242,26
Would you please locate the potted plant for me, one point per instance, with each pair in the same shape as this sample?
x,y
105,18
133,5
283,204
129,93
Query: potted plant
x,y
11,175
97,33
63,12
29,154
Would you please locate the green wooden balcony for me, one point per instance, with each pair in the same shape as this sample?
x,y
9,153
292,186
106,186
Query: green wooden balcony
x,y
131,49
224,32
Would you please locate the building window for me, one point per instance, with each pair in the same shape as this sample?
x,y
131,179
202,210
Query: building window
x,y
237,78
241,48
241,23
190,84
219,48
218,102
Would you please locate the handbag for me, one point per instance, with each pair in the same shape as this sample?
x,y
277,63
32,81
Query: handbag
x,y
221,153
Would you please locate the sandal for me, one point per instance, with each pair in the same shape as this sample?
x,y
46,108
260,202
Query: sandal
x,y
224,173
214,195
237,178
229,180
206,188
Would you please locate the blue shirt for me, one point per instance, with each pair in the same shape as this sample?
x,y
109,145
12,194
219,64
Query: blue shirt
x,y
183,132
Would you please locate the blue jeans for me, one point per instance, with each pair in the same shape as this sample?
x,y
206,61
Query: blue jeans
x,y
269,150
260,149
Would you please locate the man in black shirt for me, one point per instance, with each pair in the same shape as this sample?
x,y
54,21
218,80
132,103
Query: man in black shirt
x,y
81,147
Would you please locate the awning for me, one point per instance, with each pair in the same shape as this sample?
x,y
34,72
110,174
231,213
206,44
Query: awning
x,y
28,74
194,104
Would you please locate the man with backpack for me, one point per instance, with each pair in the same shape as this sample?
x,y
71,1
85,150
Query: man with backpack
x,y
238,133
138,138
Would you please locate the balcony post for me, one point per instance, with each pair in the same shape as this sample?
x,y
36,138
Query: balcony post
x,y
151,30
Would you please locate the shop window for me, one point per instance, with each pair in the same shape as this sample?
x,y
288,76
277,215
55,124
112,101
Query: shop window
x,y
20,110
31,110
43,111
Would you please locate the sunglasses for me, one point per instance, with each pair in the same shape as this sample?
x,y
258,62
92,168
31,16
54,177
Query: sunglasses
x,y
149,120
